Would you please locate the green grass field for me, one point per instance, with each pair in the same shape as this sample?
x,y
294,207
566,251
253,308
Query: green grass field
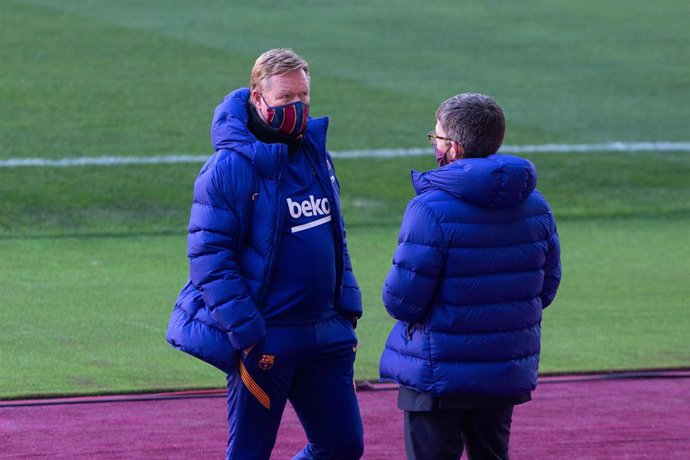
x,y
93,256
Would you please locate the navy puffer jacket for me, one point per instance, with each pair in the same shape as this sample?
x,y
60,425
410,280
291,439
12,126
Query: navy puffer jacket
x,y
234,236
478,258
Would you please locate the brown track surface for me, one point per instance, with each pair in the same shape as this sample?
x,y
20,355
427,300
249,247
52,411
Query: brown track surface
x,y
624,416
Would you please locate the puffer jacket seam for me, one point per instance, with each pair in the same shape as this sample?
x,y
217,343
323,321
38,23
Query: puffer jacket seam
x,y
507,222
483,275
488,361
496,332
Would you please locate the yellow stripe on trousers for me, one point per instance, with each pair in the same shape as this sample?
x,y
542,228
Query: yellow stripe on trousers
x,y
254,388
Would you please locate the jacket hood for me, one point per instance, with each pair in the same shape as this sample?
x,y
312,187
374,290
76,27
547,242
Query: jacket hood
x,y
230,118
497,181
229,131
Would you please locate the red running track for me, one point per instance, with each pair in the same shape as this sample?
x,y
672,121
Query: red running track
x,y
636,416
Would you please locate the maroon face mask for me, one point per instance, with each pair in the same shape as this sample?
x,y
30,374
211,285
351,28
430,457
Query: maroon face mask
x,y
442,157
289,119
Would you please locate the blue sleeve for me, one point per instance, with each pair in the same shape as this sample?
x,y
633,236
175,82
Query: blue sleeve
x,y
351,298
214,239
417,264
552,267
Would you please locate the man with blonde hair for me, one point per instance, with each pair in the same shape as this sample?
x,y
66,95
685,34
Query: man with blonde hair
x,y
271,298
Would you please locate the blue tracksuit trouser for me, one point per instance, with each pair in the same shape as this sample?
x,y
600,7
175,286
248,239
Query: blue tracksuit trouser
x,y
311,365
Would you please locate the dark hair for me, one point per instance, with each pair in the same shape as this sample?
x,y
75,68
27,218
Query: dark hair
x,y
475,121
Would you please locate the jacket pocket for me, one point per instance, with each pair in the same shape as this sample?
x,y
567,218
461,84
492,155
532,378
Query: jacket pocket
x,y
409,329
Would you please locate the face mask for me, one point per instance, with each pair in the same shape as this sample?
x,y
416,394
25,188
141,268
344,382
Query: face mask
x,y
442,157
289,119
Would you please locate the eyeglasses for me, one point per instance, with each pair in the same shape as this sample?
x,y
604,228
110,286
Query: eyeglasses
x,y
433,138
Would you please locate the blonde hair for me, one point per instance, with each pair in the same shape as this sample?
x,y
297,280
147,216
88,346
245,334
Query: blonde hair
x,y
277,61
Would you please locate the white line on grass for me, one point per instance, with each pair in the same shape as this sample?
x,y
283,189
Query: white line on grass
x,y
380,153
542,148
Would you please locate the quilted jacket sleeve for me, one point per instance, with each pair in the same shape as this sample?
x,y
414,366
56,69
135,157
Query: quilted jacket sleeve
x,y
215,236
417,264
351,298
552,268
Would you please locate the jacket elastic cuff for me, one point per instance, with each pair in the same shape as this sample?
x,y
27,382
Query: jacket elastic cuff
x,y
248,334
351,302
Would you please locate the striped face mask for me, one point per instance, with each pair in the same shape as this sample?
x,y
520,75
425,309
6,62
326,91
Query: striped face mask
x,y
289,119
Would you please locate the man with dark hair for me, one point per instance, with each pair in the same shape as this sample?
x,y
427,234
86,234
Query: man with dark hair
x,y
477,261
271,298
477,120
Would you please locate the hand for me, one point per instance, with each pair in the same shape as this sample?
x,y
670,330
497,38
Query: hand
x,y
353,321
248,350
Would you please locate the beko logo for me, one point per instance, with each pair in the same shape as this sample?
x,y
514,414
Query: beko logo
x,y
309,208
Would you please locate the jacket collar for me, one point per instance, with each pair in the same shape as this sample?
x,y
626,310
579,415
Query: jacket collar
x,y
497,181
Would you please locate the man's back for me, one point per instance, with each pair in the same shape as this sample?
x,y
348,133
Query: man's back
x,y
488,237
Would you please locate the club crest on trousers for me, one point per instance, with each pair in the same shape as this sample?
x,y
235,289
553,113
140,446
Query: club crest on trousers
x,y
266,362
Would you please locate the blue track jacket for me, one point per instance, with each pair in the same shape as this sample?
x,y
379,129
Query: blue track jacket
x,y
234,231
478,258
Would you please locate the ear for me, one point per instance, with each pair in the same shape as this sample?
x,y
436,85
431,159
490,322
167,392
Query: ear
x,y
457,150
256,98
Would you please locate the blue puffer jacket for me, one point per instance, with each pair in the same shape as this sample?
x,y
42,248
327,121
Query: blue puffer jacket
x,y
234,236
478,258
